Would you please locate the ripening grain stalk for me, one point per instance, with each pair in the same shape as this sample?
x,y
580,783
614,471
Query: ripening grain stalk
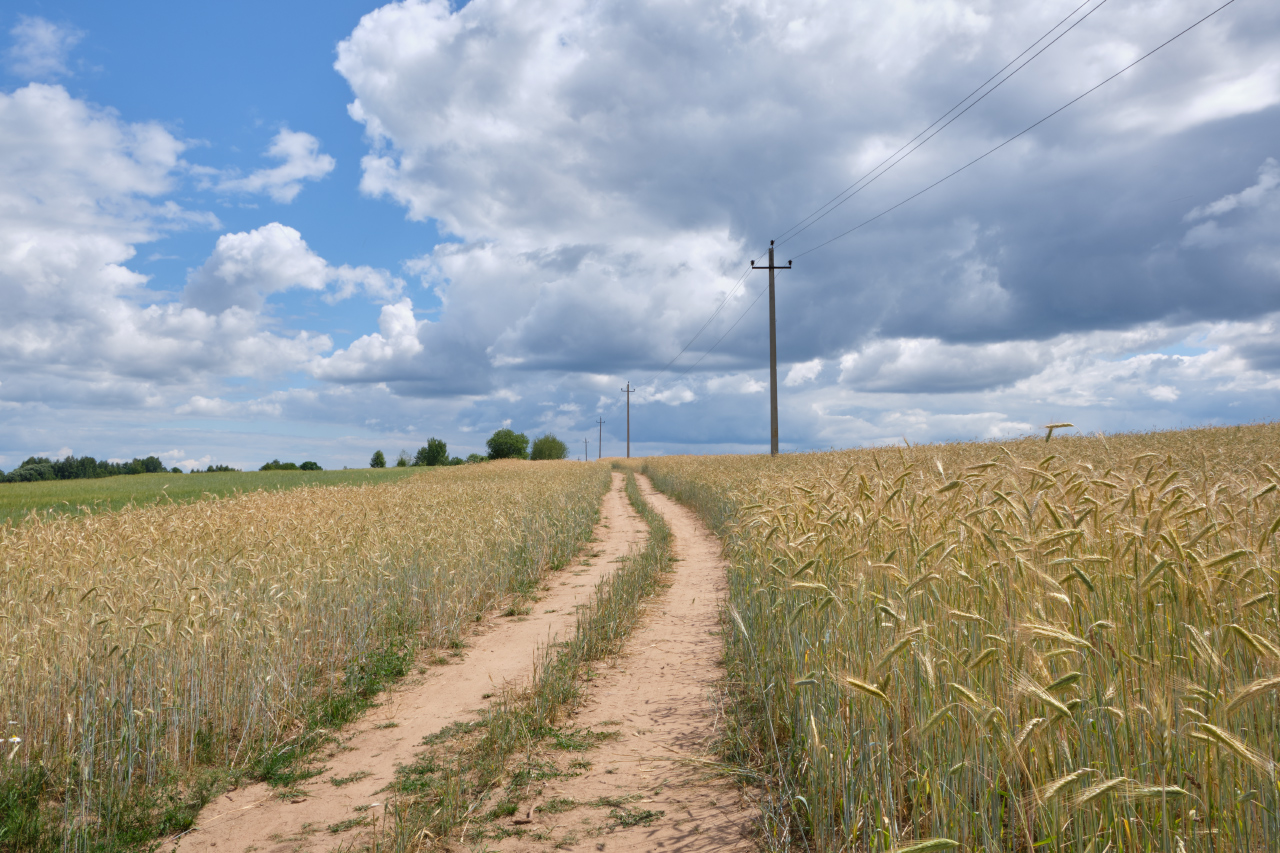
x,y
136,644
1012,645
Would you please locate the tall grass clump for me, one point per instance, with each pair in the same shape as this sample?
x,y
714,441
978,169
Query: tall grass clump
x,y
137,647
1009,646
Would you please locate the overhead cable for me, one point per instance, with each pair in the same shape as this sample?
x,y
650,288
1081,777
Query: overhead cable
x,y
841,197
1017,135
876,173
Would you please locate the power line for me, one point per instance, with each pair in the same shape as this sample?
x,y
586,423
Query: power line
x,y
706,353
714,314
840,197
1017,135
743,315
831,206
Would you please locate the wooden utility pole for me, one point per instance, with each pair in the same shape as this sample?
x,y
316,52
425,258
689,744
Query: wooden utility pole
x,y
773,354
629,390
586,453
600,437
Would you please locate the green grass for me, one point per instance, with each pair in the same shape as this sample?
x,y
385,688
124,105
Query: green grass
x,y
17,500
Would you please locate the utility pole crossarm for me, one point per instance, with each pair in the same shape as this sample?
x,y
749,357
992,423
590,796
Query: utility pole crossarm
x,y
773,353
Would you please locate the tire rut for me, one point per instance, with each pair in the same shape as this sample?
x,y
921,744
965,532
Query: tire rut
x,y
650,786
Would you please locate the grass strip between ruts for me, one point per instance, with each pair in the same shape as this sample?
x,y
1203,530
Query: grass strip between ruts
x,y
434,797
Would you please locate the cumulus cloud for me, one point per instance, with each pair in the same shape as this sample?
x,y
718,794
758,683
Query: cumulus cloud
x,y
379,355
40,48
248,267
609,169
80,189
301,161
805,371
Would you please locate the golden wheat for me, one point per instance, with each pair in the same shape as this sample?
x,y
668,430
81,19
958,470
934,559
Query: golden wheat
x,y
1013,645
137,642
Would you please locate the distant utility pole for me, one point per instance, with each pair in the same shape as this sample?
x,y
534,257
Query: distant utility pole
x,y
629,391
600,438
773,354
586,455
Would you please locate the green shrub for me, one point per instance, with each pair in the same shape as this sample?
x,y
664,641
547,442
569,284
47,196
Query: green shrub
x,y
435,453
507,444
549,447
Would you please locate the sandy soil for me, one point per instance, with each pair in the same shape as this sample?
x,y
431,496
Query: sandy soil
x,y
649,788
363,762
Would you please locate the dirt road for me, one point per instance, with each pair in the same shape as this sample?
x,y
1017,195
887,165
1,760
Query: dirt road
x,y
364,761
658,697
649,788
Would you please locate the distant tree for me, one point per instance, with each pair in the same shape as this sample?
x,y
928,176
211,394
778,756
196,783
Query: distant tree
x,y
216,469
378,460
277,465
310,466
458,460
506,444
420,458
175,470
404,460
437,452
476,457
548,447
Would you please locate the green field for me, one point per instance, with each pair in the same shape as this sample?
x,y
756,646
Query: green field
x,y
73,496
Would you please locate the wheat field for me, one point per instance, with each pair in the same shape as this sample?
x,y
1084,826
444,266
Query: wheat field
x,y
1069,645
136,645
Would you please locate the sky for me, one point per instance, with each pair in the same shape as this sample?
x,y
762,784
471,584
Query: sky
x,y
241,232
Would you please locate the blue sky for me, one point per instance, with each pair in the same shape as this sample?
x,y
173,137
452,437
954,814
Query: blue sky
x,y
297,231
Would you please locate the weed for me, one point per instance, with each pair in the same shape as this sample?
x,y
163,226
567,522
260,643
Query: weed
x,y
634,817
349,823
339,781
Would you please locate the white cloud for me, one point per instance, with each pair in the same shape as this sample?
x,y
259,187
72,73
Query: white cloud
x,y
1253,196
79,189
802,372
931,365
249,266
738,383
382,354
217,407
40,48
302,161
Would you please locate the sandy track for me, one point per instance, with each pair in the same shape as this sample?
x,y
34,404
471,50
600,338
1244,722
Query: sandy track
x,y
256,818
658,696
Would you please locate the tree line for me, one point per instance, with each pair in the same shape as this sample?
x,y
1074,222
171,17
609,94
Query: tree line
x,y
36,468
503,444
